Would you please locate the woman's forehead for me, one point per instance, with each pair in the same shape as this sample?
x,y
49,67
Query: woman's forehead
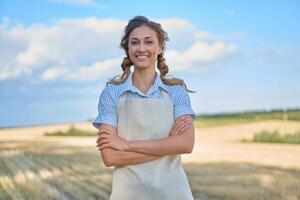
x,y
143,32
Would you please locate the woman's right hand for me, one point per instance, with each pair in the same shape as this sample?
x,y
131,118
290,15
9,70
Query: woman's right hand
x,y
180,125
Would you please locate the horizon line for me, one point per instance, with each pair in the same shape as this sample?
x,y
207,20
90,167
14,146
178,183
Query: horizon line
x,y
197,115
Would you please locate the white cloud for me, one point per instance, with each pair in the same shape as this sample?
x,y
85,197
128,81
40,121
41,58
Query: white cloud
x,y
86,49
89,73
181,33
54,73
199,56
67,43
34,55
202,35
95,71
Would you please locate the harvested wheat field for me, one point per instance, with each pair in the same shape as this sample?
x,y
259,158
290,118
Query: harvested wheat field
x,y
34,166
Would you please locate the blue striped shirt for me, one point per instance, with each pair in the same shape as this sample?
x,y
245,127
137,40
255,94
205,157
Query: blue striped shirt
x,y
109,99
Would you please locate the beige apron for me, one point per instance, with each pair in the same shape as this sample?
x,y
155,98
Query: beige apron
x,y
162,179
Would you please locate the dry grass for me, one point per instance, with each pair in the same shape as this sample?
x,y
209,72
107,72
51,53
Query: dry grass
x,y
33,166
243,181
40,170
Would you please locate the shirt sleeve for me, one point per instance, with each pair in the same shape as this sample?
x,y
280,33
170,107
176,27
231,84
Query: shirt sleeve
x,y
106,110
182,104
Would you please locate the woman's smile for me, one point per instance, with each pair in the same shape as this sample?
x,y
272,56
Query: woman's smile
x,y
142,57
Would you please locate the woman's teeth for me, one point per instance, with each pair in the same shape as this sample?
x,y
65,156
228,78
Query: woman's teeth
x,y
142,57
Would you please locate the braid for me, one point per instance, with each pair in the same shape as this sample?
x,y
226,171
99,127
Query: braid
x,y
162,66
126,64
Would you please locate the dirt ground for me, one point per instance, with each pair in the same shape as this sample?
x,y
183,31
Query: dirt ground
x,y
224,144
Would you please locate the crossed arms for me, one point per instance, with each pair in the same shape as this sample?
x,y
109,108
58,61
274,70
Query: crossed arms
x,y
116,151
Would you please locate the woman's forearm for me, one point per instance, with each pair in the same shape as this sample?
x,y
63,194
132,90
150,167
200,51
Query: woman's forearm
x,y
172,145
180,141
112,157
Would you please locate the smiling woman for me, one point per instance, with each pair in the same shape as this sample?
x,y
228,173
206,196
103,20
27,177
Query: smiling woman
x,y
145,121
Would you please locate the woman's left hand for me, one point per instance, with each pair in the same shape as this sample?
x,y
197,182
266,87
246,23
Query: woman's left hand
x,y
107,139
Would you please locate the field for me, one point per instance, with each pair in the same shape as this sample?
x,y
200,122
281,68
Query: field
x,y
34,166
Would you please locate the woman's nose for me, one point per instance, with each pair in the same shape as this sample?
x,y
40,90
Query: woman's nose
x,y
141,48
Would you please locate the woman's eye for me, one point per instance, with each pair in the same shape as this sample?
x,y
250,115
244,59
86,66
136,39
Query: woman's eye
x,y
133,42
149,42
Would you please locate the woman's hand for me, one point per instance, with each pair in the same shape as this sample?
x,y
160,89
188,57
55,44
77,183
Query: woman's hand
x,y
112,140
180,125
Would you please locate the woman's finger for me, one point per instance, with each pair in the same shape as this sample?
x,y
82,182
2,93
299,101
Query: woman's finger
x,y
99,138
104,133
104,146
174,130
183,123
103,136
99,141
180,124
177,123
103,141
184,128
186,123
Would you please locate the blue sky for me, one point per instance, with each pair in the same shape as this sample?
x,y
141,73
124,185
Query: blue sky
x,y
56,55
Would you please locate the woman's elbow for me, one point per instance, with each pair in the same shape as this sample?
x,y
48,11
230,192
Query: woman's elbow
x,y
189,140
106,158
188,149
107,163
189,146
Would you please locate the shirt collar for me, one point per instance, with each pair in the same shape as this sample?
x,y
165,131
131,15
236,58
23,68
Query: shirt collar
x,y
128,86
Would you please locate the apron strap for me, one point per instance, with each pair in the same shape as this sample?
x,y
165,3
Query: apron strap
x,y
165,94
123,97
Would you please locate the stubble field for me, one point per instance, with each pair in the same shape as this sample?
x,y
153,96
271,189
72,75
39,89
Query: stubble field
x,y
34,166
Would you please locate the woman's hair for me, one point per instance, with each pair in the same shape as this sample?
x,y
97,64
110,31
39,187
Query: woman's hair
x,y
162,36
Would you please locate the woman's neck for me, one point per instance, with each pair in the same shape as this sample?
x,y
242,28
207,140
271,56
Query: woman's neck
x,y
143,79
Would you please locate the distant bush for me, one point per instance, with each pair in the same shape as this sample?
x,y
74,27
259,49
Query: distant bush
x,y
276,137
222,119
293,116
71,132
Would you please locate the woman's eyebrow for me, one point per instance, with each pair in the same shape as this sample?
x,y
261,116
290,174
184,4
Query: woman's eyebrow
x,y
135,38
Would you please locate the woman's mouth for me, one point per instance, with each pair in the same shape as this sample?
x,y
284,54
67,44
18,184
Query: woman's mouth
x,y
141,57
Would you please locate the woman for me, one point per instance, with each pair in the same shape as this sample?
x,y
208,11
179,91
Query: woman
x,y
145,121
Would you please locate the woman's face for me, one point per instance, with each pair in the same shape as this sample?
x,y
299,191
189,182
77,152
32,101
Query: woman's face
x,y
143,47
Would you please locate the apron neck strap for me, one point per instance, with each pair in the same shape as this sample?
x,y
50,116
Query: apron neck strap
x,y
164,93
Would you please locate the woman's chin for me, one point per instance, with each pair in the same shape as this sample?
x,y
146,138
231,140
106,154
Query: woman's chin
x,y
142,65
